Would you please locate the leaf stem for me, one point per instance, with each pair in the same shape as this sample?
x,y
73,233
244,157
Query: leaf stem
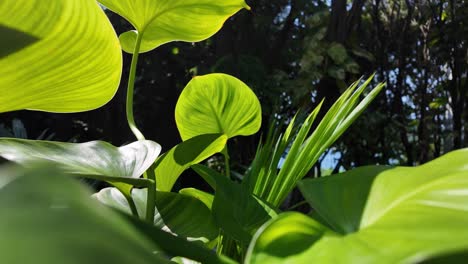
x,y
130,90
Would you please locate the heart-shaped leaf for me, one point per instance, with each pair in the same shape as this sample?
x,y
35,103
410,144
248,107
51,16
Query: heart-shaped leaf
x,y
63,56
170,166
403,215
179,214
217,103
92,158
163,21
48,218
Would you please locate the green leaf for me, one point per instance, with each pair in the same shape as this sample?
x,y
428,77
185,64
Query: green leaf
x,y
286,239
407,215
95,158
204,197
217,103
170,166
65,56
179,214
48,218
235,209
163,21
306,150
14,40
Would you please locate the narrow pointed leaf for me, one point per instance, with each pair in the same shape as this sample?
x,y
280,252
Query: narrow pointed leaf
x,y
163,21
67,57
179,214
217,103
170,166
48,218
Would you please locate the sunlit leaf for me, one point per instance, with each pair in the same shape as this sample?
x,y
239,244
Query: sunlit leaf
x,y
179,214
170,166
63,56
217,103
163,21
378,215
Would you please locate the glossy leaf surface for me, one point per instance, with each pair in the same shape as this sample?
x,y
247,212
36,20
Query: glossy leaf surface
x,y
63,56
48,218
217,103
179,214
92,158
402,215
163,21
170,166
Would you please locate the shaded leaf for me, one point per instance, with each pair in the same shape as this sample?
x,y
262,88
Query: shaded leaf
x,y
235,209
14,40
48,218
176,213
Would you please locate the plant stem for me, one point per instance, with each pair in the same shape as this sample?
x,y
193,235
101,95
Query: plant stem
x,y
226,162
130,90
151,197
296,205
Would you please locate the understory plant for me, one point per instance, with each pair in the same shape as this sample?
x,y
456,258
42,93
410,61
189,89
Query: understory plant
x,y
64,56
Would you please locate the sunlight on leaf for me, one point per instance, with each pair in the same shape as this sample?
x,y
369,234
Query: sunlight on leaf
x,y
196,20
217,103
67,57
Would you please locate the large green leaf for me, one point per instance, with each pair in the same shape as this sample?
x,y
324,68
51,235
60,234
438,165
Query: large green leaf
x,y
65,56
170,166
403,215
96,158
217,103
163,21
48,218
179,214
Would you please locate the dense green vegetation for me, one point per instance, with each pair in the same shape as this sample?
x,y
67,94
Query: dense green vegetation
x,y
65,57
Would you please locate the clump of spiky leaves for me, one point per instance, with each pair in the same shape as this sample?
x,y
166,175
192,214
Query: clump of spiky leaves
x,y
273,184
